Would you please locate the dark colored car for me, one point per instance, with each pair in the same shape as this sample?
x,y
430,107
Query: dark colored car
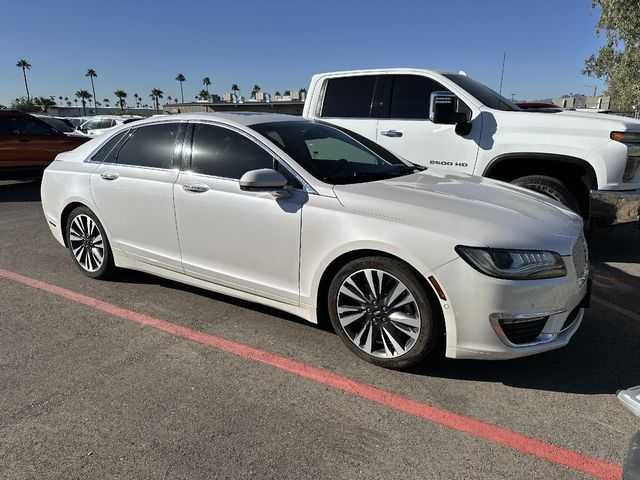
x,y
539,106
29,144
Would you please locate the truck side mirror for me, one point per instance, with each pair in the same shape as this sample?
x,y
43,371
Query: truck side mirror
x,y
443,109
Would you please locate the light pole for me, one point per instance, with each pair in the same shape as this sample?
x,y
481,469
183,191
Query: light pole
x,y
595,89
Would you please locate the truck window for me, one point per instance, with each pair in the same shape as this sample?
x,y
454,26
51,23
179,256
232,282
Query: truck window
x,y
410,96
349,96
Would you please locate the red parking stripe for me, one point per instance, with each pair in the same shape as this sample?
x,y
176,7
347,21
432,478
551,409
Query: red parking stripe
x,y
471,426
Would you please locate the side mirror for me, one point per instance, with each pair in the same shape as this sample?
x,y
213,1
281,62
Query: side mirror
x,y
265,180
443,109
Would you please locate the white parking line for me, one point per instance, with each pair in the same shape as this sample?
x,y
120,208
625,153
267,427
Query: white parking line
x,y
628,313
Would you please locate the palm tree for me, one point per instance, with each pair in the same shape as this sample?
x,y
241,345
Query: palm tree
x,y
83,95
69,103
24,65
180,78
169,99
44,103
254,92
156,95
106,101
277,94
206,81
121,94
203,95
287,93
91,73
235,88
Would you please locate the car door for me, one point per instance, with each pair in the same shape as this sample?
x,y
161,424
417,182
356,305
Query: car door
x,y
39,142
10,145
405,128
352,102
245,240
132,188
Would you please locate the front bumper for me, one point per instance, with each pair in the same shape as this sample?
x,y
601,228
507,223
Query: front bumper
x,y
473,305
611,207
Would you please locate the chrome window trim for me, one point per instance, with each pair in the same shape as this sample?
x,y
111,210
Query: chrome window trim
x,y
306,187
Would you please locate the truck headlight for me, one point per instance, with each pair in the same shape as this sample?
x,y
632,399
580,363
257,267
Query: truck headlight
x,y
632,141
514,264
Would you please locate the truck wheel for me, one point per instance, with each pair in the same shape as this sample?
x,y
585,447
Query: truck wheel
x,y
551,187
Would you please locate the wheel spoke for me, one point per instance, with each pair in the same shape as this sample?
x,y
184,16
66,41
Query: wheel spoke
x,y
405,329
87,244
403,318
394,341
373,290
368,344
348,319
358,337
349,292
398,290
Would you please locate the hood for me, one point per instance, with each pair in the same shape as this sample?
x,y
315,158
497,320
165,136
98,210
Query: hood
x,y
472,210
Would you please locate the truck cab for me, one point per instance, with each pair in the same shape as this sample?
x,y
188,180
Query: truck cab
x,y
449,122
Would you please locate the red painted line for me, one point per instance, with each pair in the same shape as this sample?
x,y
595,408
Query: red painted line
x,y
460,423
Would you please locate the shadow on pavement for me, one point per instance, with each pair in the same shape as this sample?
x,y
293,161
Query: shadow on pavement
x,y
22,190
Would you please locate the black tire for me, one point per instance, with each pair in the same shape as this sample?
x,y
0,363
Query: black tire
x,y
551,187
430,324
106,267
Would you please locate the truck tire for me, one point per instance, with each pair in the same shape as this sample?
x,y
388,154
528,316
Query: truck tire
x,y
551,187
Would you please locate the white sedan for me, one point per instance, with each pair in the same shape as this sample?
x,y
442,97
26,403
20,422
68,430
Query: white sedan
x,y
102,124
320,222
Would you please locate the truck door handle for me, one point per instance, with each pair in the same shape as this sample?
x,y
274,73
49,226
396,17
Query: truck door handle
x,y
391,133
195,187
109,175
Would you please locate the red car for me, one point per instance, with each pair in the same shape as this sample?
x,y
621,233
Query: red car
x,y
29,144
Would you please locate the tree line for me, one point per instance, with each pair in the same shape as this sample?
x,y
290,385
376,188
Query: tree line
x,y
85,97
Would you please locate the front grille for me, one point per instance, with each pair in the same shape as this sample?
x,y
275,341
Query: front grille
x,y
523,331
580,256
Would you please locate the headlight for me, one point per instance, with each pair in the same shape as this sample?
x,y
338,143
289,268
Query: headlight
x,y
626,137
514,264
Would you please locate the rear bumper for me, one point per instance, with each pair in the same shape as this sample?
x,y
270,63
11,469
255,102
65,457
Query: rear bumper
x,y
613,207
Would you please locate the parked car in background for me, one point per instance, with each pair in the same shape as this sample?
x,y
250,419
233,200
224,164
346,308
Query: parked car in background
x,y
538,107
27,144
398,258
62,126
75,121
101,123
449,122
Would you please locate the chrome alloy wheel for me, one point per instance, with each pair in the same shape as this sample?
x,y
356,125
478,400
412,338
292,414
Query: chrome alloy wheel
x,y
86,242
378,313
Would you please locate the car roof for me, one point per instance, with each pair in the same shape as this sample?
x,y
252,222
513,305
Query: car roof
x,y
394,70
240,118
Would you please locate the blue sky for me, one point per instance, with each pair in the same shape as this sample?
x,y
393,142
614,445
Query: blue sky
x,y
138,45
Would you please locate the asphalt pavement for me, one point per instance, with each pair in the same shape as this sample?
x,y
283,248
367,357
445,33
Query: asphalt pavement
x,y
89,394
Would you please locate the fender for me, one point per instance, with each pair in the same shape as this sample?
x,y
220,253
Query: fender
x,y
586,166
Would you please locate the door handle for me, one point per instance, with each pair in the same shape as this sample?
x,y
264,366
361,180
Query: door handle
x,y
195,187
391,133
109,175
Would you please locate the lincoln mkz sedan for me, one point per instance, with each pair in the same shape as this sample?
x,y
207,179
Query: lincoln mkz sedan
x,y
322,223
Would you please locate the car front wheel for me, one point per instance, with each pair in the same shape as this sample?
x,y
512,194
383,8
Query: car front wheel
x,y
88,244
380,309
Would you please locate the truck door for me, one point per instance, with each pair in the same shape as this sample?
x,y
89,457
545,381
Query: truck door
x,y
405,129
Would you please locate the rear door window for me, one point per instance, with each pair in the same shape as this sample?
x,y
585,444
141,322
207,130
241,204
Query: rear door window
x,y
410,96
150,146
30,126
349,97
108,151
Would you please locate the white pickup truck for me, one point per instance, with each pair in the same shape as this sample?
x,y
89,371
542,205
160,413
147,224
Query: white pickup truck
x,y
587,161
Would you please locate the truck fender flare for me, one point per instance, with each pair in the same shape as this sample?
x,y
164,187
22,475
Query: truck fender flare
x,y
543,156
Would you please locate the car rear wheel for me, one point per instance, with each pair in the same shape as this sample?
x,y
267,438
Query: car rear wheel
x,y
88,244
380,309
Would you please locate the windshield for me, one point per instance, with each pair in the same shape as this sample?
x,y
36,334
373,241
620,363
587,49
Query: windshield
x,y
57,124
331,155
482,93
